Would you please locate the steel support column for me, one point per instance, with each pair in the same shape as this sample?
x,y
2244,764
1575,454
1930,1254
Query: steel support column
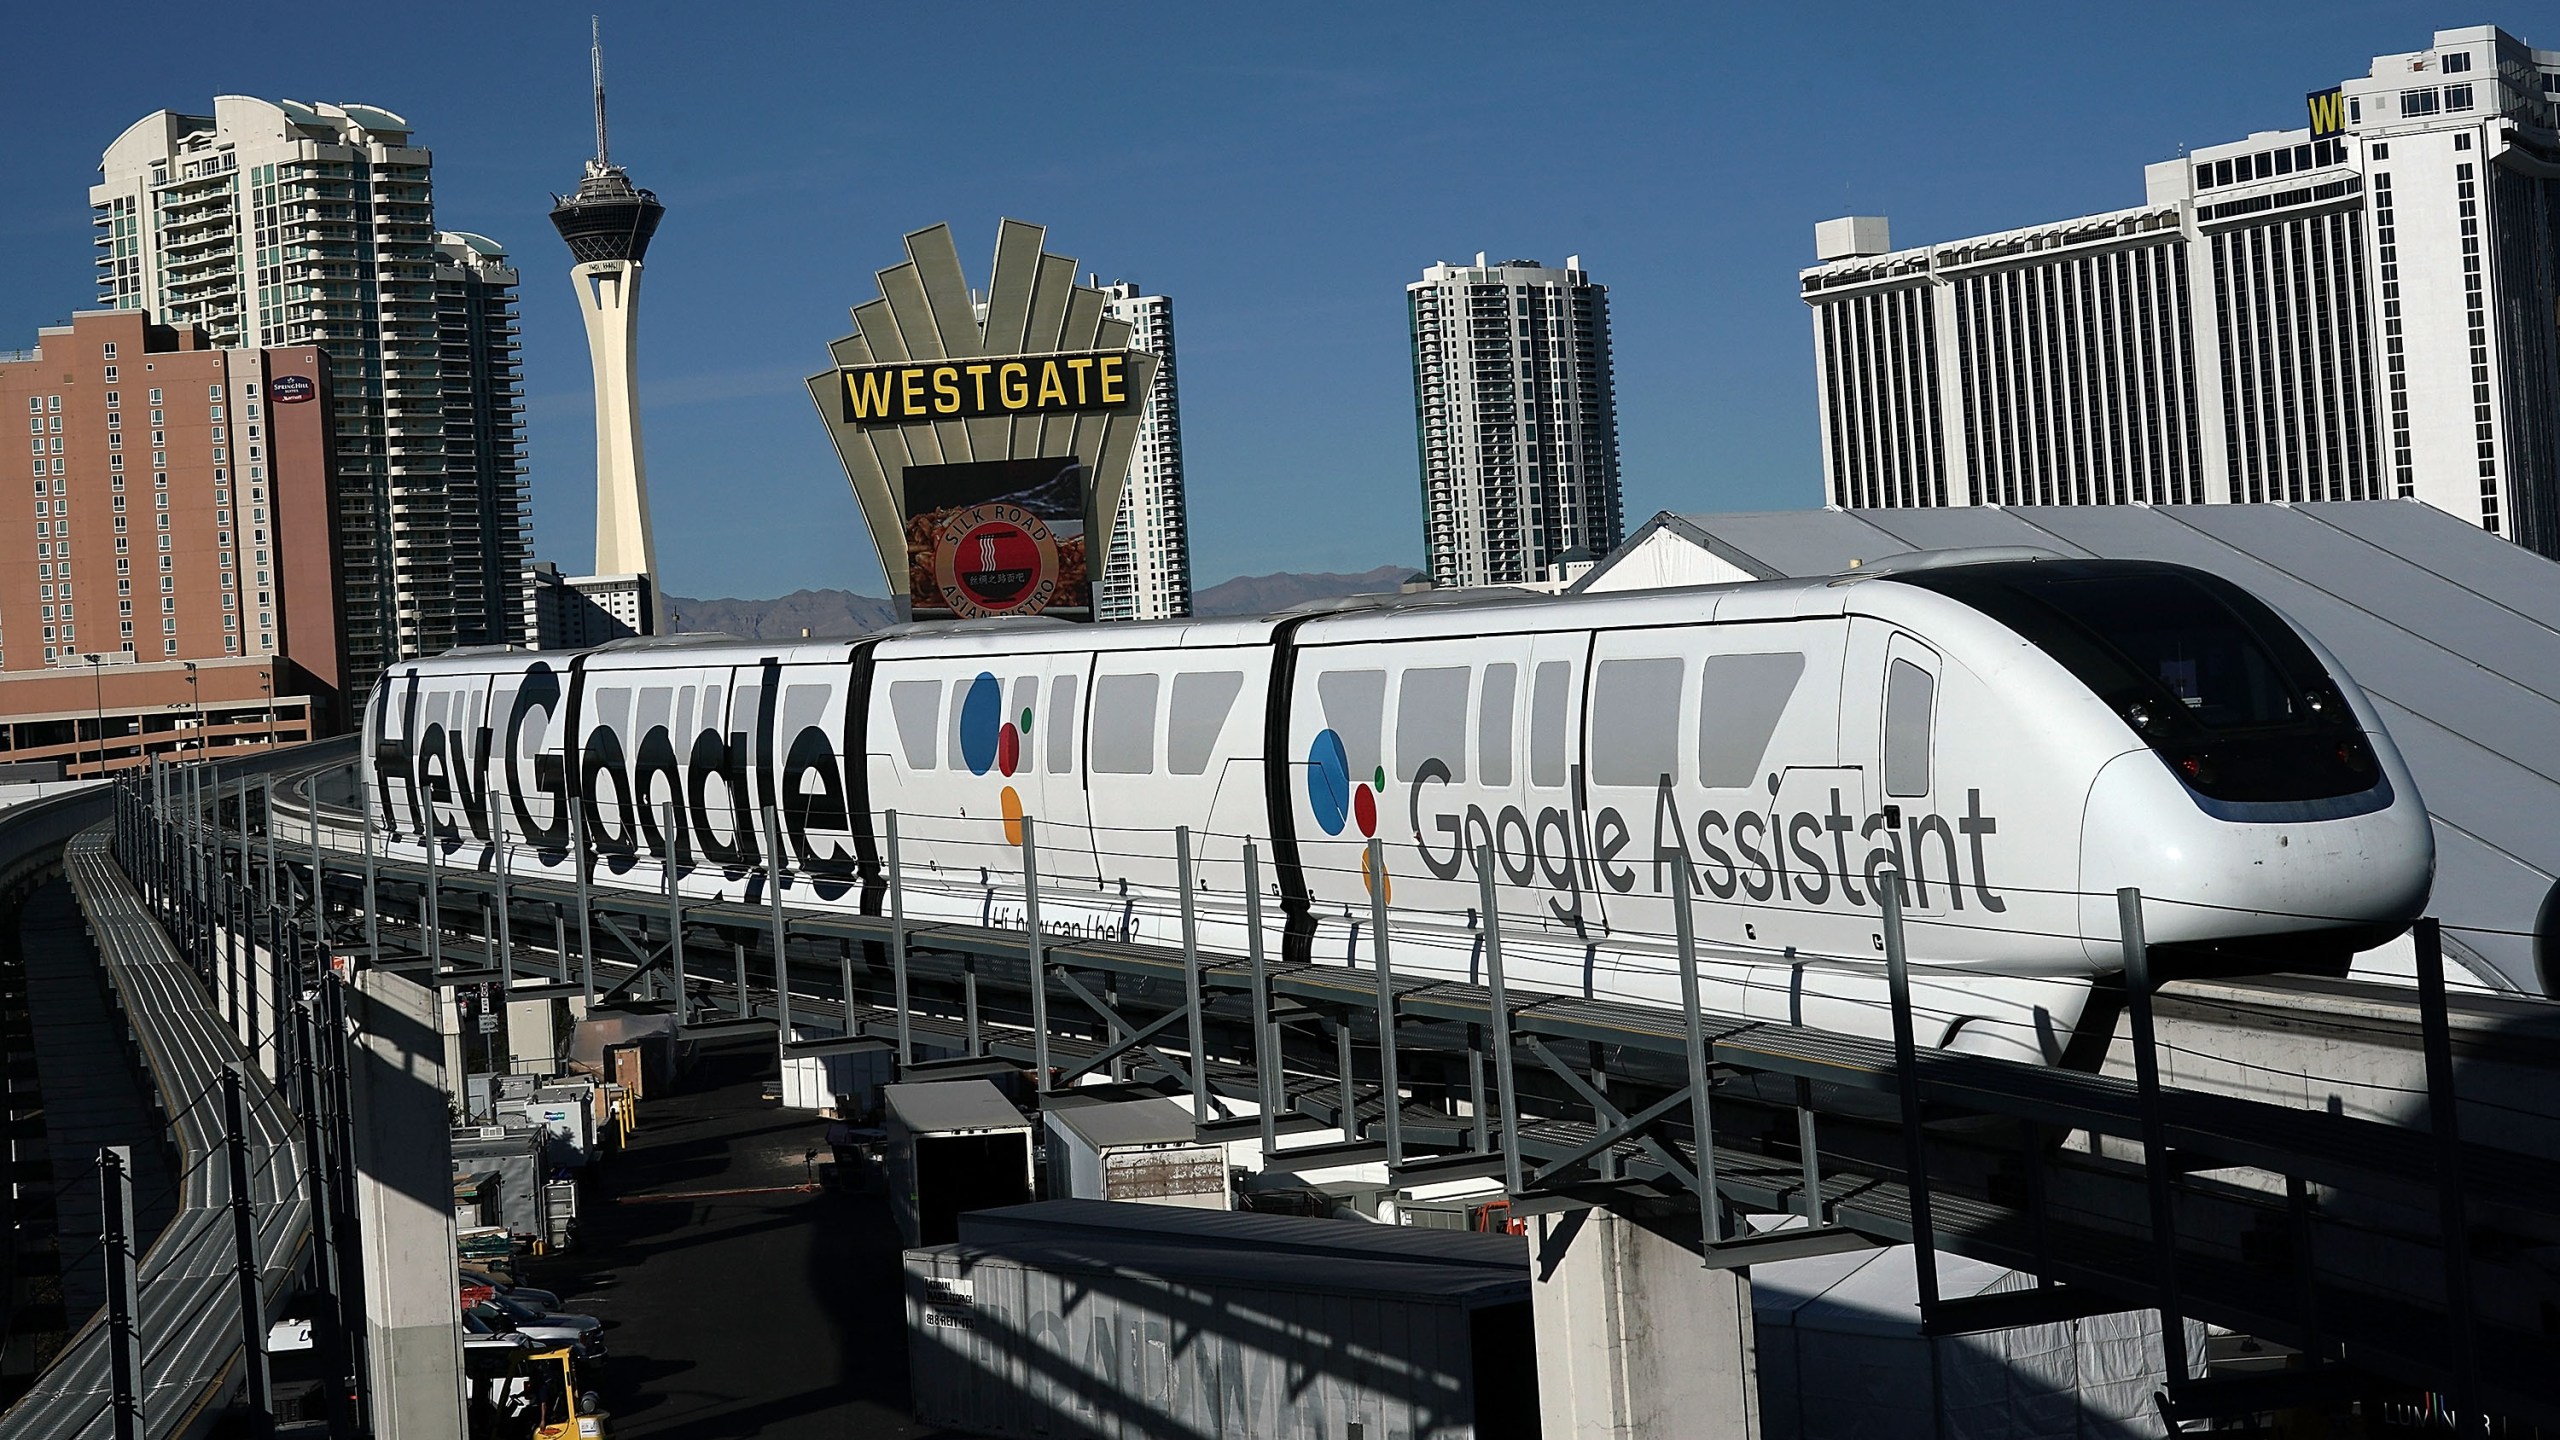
x,y
1034,952
1506,1092
1390,1075
244,1241
116,1250
2444,1119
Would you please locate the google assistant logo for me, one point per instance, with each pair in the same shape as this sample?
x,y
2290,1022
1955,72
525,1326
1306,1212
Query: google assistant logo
x,y
990,741
1340,802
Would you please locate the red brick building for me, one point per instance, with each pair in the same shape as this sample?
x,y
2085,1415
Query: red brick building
x,y
170,565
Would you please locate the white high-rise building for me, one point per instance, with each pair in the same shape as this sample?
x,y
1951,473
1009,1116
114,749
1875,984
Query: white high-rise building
x,y
1147,575
276,223
2365,311
1516,416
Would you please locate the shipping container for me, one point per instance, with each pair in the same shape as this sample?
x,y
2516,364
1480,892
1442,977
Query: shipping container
x,y
1094,1335
1142,1149
949,1148
515,1154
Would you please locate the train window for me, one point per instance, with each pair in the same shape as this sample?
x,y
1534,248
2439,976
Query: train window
x,y
1740,700
1493,724
917,707
1124,725
1431,719
1355,709
612,709
802,707
2217,684
1201,700
1910,697
1635,721
1061,721
746,706
657,710
1550,700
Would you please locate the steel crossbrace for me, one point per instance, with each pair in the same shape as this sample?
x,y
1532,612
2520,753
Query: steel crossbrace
x,y
1619,1126
1612,1135
1132,1037
646,954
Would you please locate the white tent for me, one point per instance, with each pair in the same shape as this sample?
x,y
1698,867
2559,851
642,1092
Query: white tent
x,y
1842,1358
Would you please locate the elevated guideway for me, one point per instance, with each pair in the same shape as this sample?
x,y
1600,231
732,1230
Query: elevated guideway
x,y
2393,1246
189,1317
170,1354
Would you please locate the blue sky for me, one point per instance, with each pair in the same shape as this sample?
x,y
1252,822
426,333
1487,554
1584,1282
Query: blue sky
x,y
1281,172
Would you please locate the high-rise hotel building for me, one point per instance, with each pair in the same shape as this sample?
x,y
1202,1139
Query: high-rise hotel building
x,y
2364,310
1147,574
1516,419
168,574
280,223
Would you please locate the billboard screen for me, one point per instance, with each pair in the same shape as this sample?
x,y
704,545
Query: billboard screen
x,y
998,537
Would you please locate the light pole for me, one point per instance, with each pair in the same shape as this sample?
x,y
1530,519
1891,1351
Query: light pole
x,y
267,688
98,689
196,696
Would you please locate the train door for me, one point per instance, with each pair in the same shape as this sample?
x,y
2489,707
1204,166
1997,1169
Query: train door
x,y
1888,723
726,802
610,717
810,778
1044,706
528,710
1639,680
1555,777
397,807
1336,768
449,712
1156,727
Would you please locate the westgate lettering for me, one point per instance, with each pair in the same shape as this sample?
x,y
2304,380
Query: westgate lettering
x,y
899,394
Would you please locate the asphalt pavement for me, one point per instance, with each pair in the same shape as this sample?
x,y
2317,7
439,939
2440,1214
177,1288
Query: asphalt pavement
x,y
735,1301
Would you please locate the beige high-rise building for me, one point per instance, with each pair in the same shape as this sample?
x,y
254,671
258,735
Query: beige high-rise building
x,y
2360,308
173,588
280,223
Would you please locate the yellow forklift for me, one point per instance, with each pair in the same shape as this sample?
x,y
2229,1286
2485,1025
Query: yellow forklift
x,y
517,1391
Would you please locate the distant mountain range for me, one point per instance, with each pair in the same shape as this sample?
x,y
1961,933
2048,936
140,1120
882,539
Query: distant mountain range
x,y
818,613
823,614
1262,594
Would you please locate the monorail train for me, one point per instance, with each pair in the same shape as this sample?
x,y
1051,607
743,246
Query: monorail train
x,y
2015,736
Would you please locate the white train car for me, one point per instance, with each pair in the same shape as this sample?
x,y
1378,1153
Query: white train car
x,y
2014,737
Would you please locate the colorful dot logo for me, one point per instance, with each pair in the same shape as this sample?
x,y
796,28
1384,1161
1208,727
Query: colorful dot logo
x,y
988,741
1338,801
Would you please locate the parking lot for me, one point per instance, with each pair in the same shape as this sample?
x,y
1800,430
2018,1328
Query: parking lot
x,y
736,1302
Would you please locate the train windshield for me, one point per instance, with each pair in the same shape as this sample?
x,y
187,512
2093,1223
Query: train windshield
x,y
2169,629
2219,685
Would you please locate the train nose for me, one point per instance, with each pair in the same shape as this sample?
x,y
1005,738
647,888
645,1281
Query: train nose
x,y
2341,874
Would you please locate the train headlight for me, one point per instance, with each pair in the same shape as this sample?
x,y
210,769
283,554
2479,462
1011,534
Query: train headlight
x,y
2138,715
2197,767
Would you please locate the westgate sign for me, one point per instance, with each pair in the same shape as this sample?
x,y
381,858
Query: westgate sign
x,y
947,397
979,389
